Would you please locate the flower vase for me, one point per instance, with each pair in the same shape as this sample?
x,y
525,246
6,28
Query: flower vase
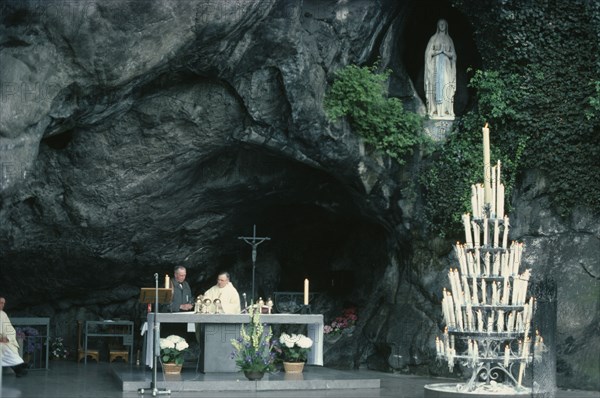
x,y
293,367
172,368
253,375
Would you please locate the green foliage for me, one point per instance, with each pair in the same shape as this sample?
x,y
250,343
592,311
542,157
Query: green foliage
x,y
594,102
459,163
539,59
360,94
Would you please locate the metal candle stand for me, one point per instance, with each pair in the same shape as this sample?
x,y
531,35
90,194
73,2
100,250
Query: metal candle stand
x,y
486,309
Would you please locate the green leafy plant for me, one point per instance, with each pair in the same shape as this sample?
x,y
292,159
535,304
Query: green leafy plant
x,y
254,349
361,95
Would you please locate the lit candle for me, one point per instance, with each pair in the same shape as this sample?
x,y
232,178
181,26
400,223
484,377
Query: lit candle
x,y
487,177
506,355
305,291
167,282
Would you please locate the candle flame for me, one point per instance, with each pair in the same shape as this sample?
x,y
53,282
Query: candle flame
x,y
486,125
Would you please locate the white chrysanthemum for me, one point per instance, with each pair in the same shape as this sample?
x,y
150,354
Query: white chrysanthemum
x,y
304,342
285,339
182,345
166,343
175,339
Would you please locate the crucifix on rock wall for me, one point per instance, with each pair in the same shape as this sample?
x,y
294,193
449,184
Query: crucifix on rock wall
x,y
253,241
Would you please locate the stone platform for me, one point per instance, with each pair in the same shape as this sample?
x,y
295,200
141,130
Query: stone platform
x,y
313,378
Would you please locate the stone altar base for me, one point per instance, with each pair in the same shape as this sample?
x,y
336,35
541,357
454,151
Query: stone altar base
x,y
131,378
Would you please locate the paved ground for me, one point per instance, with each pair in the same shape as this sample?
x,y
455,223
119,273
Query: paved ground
x,y
67,379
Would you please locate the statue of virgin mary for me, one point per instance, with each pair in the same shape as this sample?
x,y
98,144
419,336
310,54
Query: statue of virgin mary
x,y
440,74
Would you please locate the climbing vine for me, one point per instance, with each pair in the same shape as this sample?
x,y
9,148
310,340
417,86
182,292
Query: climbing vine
x,y
540,92
361,95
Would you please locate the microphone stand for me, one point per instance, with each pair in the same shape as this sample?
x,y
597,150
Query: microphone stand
x,y
153,385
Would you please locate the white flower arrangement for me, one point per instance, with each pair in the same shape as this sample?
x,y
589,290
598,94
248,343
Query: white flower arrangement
x,y
172,349
295,347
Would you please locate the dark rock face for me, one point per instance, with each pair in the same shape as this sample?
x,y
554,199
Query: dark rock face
x,y
136,136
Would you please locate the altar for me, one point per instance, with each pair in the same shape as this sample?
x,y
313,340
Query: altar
x,y
219,329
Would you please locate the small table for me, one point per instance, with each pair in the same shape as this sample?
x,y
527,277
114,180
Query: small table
x,y
107,329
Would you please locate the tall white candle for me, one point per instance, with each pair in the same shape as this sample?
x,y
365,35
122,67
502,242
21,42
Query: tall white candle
x,y
467,223
506,356
496,232
505,235
494,192
500,322
485,230
474,205
500,206
476,233
486,165
167,282
480,198
483,292
305,291
465,285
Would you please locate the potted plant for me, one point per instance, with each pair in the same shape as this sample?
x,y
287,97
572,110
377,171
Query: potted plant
x,y
30,340
172,350
294,349
253,350
341,325
58,350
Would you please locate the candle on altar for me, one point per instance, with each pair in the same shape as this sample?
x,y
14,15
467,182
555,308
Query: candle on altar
x,y
486,165
506,355
305,291
167,282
